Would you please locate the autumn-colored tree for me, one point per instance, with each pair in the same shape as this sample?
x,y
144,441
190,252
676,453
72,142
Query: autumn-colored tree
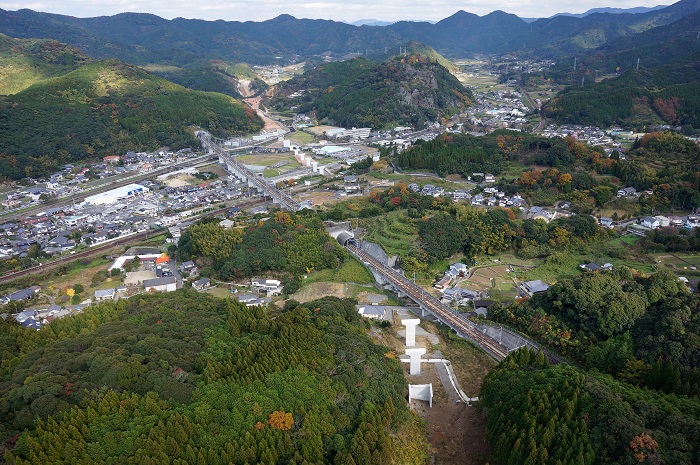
x,y
283,218
642,446
565,179
280,419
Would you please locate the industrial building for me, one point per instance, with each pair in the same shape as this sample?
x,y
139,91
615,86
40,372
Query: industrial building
x,y
116,195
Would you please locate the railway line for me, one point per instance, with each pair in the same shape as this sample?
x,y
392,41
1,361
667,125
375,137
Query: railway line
x,y
106,246
431,304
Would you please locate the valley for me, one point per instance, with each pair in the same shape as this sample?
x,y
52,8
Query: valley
x,y
218,239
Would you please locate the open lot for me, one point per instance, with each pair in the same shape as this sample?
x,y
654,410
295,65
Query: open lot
x,y
268,159
488,278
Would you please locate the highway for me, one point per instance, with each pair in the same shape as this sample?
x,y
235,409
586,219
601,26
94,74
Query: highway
x,y
433,305
260,183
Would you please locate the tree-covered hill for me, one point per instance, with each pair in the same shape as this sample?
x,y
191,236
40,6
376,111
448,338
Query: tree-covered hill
x,y
105,108
362,93
560,415
466,154
185,378
668,94
26,62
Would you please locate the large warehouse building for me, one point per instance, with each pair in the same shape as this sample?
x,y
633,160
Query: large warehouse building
x,y
116,195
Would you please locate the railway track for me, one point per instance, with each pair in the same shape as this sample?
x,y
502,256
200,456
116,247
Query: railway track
x,y
104,247
433,305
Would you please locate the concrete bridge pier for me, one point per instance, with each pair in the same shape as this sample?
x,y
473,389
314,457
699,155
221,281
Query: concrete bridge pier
x,y
415,354
410,331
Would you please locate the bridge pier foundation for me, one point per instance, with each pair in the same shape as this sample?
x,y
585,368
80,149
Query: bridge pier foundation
x,y
410,331
415,354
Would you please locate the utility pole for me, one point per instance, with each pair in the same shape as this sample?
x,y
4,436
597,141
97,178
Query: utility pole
x,y
574,63
637,64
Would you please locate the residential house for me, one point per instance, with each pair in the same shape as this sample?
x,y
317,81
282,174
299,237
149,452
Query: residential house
x,y
105,294
372,312
24,294
676,221
663,221
627,192
693,221
201,284
606,222
269,286
651,222
481,306
188,267
165,284
534,287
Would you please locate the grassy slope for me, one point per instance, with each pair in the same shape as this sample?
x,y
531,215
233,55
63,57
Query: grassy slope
x,y
26,62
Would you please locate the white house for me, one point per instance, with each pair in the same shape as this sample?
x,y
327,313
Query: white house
x,y
651,222
105,294
693,221
372,312
663,221
270,286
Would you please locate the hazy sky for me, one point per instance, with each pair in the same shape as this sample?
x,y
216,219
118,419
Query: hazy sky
x,y
352,10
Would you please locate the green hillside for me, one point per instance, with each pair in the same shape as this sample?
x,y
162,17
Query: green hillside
x,y
26,62
107,107
403,90
664,95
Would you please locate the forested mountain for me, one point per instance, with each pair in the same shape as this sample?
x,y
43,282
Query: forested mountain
x,y
668,94
103,108
143,38
186,378
362,93
25,62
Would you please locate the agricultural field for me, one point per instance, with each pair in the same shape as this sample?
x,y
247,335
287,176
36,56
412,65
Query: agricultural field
x,y
492,278
395,232
301,137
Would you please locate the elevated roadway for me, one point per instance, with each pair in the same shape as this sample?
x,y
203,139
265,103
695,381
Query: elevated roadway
x,y
428,303
253,180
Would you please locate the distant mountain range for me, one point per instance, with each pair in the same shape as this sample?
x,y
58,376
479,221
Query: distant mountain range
x,y
147,39
634,10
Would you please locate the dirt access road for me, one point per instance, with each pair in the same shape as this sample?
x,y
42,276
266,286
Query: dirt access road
x,y
254,103
456,431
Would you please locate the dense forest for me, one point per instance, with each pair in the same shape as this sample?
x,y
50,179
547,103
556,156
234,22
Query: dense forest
x,y
106,108
24,62
408,90
286,243
642,330
186,378
559,415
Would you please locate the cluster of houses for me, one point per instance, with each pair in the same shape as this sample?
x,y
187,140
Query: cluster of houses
x,y
656,222
499,109
262,289
489,197
116,213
